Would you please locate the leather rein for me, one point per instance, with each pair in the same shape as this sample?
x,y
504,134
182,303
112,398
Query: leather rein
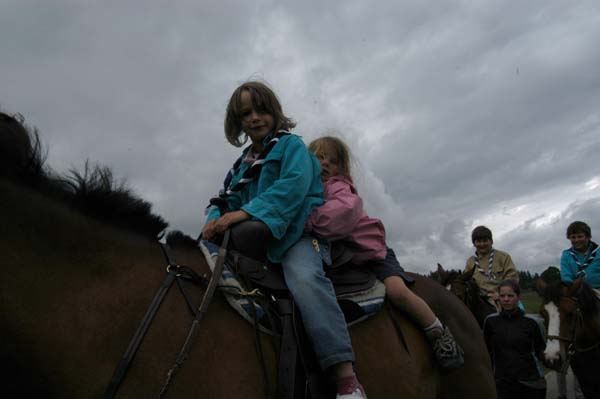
x,y
175,273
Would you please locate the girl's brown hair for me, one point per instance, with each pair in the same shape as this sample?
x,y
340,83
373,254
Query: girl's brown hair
x,y
263,99
512,284
334,146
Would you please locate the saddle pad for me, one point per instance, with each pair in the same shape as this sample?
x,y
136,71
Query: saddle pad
x,y
367,302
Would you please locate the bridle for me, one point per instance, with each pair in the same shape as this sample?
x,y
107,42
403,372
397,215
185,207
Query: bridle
x,y
175,273
571,339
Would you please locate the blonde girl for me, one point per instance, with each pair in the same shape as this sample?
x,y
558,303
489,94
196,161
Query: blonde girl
x,y
342,218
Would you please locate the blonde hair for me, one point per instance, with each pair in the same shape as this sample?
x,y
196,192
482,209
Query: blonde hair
x,y
263,99
338,148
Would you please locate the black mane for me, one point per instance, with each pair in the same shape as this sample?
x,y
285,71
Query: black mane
x,y
21,155
177,239
93,191
588,301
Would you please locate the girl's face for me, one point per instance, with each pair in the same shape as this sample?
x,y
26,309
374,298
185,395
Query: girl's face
x,y
256,123
330,164
509,300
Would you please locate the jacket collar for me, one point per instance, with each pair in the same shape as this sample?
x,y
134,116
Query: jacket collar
x,y
511,314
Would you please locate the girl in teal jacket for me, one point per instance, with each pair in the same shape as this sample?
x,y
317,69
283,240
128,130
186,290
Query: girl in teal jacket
x,y
277,181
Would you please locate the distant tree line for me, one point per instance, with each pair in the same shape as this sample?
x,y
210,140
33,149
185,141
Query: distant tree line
x,y
526,279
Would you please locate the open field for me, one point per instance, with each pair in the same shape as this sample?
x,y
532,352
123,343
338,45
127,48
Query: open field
x,y
531,300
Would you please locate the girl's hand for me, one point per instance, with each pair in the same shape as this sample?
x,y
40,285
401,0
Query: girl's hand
x,y
229,219
209,231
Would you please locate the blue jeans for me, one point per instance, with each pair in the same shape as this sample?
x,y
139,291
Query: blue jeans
x,y
313,293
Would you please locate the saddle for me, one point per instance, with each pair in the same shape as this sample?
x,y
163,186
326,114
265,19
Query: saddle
x,y
298,371
269,277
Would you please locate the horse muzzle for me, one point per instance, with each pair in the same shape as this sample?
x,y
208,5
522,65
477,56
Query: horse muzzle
x,y
554,364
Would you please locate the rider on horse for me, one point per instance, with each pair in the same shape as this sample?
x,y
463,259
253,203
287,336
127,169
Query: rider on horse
x,y
580,260
491,266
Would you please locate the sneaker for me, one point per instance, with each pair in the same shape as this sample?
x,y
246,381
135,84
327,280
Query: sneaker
x,y
448,353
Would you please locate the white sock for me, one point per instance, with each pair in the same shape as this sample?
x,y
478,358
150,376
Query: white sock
x,y
435,327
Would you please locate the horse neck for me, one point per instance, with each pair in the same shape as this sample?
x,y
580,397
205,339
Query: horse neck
x,y
473,294
75,291
478,305
588,333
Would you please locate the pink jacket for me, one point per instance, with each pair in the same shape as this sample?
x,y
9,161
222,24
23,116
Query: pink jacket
x,y
342,217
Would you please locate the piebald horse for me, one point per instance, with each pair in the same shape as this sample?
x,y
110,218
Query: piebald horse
x,y
572,316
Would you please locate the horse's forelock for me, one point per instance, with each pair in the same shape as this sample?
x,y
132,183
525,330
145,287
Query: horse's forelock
x,y
451,275
553,292
93,191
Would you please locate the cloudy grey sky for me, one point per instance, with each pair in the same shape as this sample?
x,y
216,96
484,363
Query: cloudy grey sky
x,y
459,113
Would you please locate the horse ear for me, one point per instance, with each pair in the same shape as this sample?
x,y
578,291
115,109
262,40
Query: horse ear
x,y
541,286
441,272
468,274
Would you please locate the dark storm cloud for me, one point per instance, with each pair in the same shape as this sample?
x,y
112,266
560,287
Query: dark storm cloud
x,y
459,113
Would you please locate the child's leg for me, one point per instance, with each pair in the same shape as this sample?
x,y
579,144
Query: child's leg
x,y
323,319
413,305
389,271
313,293
408,302
447,352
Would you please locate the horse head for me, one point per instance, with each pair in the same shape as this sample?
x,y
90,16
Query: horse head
x,y
466,289
572,319
457,282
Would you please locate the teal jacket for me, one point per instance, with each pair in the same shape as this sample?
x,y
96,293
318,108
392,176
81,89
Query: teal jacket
x,y
286,191
569,268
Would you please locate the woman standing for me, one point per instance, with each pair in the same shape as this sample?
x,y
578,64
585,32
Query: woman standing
x,y
515,342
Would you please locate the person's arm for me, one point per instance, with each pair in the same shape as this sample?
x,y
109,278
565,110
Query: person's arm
x,y
567,267
213,225
279,204
470,264
510,270
337,218
229,219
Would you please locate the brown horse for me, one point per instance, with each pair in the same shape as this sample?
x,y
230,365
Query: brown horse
x,y
73,288
572,316
466,289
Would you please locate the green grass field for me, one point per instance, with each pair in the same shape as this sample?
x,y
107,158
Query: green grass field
x,y
531,300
